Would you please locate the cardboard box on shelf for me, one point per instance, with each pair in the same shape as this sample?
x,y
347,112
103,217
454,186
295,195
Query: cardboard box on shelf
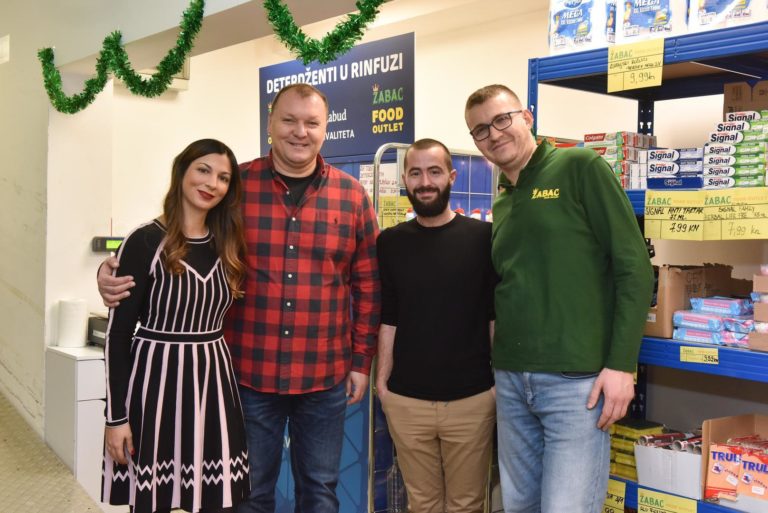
x,y
758,342
677,285
740,288
737,97
760,283
718,431
760,95
740,97
677,472
761,312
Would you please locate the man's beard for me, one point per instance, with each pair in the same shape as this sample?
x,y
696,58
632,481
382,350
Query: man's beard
x,y
433,208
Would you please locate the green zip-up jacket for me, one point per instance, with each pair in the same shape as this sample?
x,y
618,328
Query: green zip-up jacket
x,y
576,279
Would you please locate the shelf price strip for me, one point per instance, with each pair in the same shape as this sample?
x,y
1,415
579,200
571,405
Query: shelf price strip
x,y
708,355
635,65
674,215
657,502
735,214
614,499
727,214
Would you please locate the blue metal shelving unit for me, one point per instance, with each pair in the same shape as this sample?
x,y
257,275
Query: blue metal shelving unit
x,y
637,199
694,65
733,362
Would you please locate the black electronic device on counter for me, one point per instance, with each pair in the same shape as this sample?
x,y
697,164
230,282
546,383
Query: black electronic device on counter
x,y
105,244
97,330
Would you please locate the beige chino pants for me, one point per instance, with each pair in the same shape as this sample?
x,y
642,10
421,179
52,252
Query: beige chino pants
x,y
444,450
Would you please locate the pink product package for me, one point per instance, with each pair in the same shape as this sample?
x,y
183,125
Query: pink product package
x,y
720,338
722,305
739,323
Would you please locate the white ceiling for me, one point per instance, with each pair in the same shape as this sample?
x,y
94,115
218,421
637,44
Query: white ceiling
x,y
248,21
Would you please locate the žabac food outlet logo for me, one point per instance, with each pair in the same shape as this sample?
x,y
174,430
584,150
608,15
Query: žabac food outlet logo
x,y
369,91
388,112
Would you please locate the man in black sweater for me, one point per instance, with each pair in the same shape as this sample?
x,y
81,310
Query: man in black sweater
x,y
433,373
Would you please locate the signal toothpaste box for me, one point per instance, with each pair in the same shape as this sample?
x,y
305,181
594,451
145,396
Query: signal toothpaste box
x,y
727,182
735,160
735,171
738,137
748,115
676,182
674,155
681,167
735,149
742,125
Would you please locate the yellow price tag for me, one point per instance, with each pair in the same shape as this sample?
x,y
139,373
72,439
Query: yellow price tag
x,y
678,215
635,65
706,355
683,230
737,213
657,502
614,499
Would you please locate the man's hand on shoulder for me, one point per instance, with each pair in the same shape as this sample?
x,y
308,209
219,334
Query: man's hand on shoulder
x,y
618,389
112,288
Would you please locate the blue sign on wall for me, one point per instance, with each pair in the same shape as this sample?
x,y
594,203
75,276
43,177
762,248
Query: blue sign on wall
x,y
369,90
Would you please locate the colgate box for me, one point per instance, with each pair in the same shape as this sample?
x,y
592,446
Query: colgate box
x,y
720,456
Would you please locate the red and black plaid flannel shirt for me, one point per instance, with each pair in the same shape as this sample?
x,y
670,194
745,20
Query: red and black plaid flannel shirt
x,y
312,296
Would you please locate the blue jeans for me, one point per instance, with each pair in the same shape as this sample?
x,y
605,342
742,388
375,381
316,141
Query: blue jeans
x,y
552,456
316,429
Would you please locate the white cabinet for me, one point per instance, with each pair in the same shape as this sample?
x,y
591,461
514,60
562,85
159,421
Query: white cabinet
x,y
75,390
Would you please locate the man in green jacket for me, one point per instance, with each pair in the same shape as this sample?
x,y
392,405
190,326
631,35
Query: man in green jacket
x,y
576,282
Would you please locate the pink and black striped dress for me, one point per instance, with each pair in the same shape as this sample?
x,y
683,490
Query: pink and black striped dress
x,y
171,380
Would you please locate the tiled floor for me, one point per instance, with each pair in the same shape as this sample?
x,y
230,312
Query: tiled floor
x,y
32,478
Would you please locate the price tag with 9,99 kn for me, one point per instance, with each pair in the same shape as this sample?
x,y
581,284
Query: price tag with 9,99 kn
x,y
635,65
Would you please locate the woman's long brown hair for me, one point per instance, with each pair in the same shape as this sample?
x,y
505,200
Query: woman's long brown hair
x,y
225,220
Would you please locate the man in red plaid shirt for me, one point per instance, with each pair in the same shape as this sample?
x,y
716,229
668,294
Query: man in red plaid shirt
x,y
304,335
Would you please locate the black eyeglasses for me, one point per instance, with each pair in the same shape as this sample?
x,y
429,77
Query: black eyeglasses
x,y
500,122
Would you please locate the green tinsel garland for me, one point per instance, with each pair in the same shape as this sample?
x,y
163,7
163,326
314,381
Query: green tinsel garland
x,y
113,56
339,41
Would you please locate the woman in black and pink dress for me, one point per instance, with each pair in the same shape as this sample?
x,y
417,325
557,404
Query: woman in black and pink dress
x,y
174,425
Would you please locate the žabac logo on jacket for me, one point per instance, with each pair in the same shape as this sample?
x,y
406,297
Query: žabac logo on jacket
x,y
545,193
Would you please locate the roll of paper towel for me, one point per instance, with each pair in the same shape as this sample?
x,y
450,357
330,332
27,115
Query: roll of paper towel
x,y
73,322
